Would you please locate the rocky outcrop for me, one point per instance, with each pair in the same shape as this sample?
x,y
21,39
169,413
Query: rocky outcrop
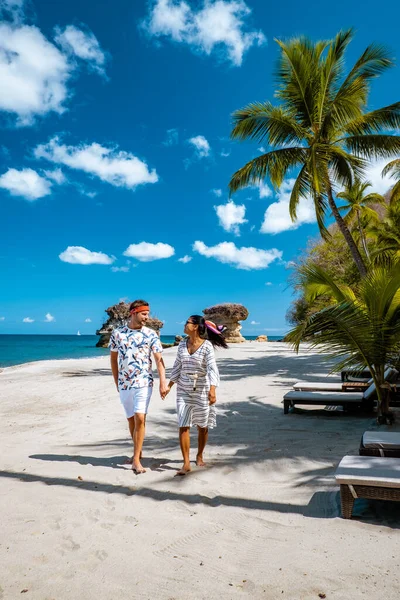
x,y
229,315
262,338
118,315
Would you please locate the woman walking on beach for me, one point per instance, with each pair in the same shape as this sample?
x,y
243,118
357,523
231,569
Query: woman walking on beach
x,y
196,374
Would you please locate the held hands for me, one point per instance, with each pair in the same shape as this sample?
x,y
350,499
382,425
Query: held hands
x,y
165,390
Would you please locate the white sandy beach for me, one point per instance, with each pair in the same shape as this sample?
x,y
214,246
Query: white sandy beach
x,y
262,521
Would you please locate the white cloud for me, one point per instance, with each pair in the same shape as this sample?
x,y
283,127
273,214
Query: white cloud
x,y
185,259
88,320
218,193
268,283
26,183
218,25
264,190
241,258
231,216
116,167
201,146
77,255
34,72
82,44
49,318
28,320
172,137
57,175
277,218
225,153
146,252
261,149
254,323
120,269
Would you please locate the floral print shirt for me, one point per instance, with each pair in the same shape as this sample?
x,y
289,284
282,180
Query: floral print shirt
x,y
134,347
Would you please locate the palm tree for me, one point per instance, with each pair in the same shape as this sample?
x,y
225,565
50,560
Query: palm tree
x,y
358,207
393,169
360,327
321,126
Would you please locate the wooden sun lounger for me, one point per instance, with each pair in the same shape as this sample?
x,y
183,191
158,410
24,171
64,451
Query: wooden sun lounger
x,y
367,477
345,399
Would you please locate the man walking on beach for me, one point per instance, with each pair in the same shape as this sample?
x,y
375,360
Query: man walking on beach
x,y
131,346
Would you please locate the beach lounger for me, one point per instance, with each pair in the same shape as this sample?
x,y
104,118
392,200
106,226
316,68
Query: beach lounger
x,y
360,400
367,477
323,386
380,443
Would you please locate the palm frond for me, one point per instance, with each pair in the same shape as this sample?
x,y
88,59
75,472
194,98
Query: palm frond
x,y
264,122
275,164
373,146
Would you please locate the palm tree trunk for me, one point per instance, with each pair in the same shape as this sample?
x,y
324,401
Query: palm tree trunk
x,y
346,234
362,236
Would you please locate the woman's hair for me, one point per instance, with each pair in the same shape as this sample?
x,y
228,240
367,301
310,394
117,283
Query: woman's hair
x,y
209,334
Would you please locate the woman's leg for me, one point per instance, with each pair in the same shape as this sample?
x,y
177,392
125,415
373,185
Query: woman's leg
x,y
202,441
184,441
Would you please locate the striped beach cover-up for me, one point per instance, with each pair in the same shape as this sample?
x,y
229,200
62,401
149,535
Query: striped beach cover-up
x,y
194,374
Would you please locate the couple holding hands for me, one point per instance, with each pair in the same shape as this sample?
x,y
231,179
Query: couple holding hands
x,y
195,373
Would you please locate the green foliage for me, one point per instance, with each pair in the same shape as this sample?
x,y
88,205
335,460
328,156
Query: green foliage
x,y
360,327
321,127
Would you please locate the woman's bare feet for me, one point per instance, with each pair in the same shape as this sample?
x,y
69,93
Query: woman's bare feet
x,y
137,468
185,469
199,461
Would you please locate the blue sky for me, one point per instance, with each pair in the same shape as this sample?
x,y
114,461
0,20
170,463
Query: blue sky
x,y
115,156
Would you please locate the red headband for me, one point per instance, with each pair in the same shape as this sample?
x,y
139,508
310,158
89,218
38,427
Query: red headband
x,y
140,309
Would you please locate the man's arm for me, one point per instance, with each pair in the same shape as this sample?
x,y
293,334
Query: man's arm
x,y
161,373
114,366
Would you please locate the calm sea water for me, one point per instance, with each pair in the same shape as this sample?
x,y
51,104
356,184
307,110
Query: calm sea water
x,y
18,349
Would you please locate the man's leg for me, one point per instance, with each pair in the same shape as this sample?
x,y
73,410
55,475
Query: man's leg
x,y
138,437
184,441
202,441
131,425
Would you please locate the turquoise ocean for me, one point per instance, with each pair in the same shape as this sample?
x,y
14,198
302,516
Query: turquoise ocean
x,y
19,349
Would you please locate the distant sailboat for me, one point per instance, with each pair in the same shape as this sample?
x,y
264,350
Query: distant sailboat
x,y
79,333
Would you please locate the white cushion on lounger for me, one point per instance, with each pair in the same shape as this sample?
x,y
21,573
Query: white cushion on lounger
x,y
389,440
321,397
307,385
369,470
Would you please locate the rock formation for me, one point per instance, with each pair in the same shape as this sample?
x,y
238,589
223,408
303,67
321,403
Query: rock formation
x,y
262,338
229,315
118,315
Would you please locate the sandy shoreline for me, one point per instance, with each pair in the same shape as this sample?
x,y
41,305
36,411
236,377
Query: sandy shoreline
x,y
261,522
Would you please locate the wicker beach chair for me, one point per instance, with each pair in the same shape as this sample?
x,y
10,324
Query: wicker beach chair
x,y
367,477
380,443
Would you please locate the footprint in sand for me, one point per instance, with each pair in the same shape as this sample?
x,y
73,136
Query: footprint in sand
x,y
101,554
69,543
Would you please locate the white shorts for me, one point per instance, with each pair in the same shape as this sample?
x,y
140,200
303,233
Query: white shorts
x,y
135,400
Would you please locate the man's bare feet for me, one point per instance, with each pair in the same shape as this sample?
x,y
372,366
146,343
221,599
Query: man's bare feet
x,y
185,469
199,461
137,468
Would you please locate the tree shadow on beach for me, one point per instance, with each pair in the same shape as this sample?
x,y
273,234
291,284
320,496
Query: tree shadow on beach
x,y
322,505
297,366
114,462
